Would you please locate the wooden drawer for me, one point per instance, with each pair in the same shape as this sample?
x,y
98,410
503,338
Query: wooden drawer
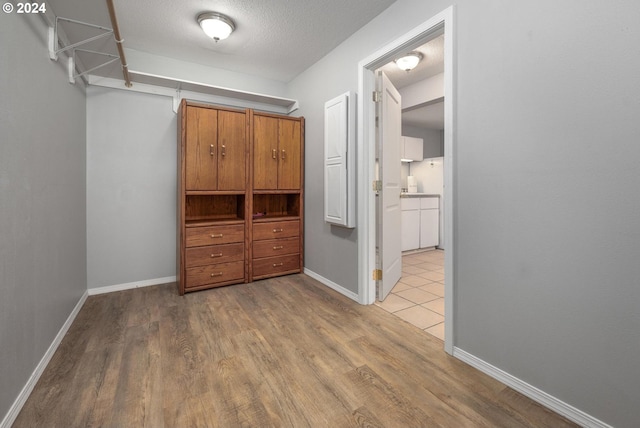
x,y
272,266
276,229
209,235
213,274
276,247
200,256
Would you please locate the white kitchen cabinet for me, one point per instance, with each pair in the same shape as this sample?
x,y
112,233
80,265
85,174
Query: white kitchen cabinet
x,y
410,220
429,222
420,222
411,149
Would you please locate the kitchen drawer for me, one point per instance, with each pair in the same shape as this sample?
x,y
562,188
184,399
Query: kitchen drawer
x,y
272,266
276,247
200,236
409,204
276,229
200,256
213,274
429,203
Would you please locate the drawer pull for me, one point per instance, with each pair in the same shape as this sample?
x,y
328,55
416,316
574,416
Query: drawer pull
x,y
218,235
224,150
277,230
216,274
273,154
278,247
216,255
277,264
283,154
211,149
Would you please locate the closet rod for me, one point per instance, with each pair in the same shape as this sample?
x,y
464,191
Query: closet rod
x,y
116,33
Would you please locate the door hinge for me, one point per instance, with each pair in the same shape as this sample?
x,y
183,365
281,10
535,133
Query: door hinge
x,y
377,95
377,185
377,274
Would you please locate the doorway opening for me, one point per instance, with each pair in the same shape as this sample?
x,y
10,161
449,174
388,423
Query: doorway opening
x,y
416,295
441,24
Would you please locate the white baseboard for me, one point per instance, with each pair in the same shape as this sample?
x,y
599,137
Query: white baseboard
x,y
14,410
340,289
547,400
131,285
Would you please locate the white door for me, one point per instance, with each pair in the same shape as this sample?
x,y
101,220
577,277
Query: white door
x,y
389,224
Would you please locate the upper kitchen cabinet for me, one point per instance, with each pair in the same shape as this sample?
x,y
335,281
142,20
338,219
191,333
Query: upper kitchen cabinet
x,y
215,149
411,149
277,153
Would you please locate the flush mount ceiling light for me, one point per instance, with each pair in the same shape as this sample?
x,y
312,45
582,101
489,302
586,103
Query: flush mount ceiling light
x,y
216,25
409,61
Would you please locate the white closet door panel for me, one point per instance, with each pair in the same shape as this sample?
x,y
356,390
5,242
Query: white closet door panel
x,y
334,203
339,184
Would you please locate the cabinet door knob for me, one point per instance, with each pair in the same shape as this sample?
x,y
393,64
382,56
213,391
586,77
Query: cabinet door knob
x,y
277,230
273,154
277,264
283,154
218,235
224,150
216,255
216,274
211,150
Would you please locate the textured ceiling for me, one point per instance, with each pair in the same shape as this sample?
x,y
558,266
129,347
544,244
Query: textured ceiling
x,y
274,39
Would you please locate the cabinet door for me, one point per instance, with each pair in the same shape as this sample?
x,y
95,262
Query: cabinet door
x,y
410,230
232,145
200,148
265,153
289,145
413,148
429,228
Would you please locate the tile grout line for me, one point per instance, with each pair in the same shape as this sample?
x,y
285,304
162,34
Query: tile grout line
x,y
416,267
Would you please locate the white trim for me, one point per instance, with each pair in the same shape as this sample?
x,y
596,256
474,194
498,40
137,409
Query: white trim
x,y
568,411
366,160
130,285
17,405
340,289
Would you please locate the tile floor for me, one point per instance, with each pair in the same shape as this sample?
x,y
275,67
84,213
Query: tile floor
x,y
418,297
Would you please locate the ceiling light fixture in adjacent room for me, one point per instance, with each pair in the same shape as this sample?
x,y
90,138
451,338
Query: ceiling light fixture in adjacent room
x,y
216,25
409,61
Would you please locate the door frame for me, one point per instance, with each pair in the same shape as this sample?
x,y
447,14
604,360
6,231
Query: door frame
x,y
366,158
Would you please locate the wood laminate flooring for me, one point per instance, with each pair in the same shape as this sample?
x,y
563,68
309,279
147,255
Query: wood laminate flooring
x,y
283,352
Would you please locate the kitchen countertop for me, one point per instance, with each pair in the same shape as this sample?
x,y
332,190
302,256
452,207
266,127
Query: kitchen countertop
x,y
419,195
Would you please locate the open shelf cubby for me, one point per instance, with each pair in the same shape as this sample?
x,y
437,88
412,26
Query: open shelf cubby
x,y
270,206
202,209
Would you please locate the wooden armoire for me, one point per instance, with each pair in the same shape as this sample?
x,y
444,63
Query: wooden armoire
x,y
240,196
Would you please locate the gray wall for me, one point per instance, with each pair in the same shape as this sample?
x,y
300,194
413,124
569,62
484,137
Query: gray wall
x,y
42,200
546,189
131,187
